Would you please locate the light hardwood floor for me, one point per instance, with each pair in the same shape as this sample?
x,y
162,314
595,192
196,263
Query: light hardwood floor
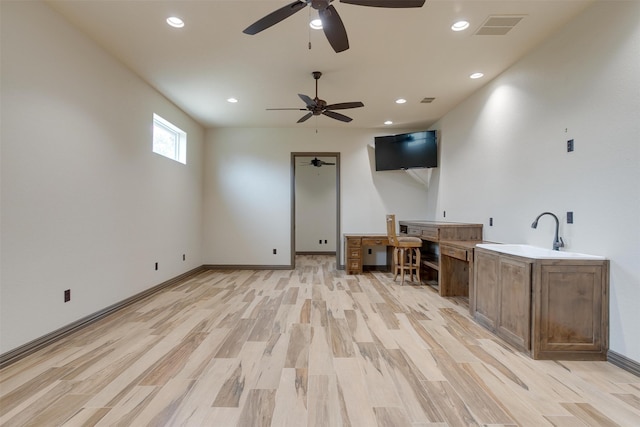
x,y
308,347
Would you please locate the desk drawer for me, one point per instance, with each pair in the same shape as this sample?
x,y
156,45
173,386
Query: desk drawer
x,y
354,266
368,241
414,231
354,242
430,233
454,252
353,253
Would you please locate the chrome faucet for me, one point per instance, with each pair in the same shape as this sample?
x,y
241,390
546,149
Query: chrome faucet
x,y
557,241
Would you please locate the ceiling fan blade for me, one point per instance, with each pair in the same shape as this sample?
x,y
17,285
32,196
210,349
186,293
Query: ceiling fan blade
x,y
334,29
344,106
275,17
307,100
305,118
386,3
337,116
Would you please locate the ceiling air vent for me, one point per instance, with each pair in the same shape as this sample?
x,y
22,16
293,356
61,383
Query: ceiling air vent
x,y
427,100
498,25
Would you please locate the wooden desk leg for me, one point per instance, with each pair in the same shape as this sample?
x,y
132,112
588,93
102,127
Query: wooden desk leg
x,y
395,263
403,256
417,251
411,262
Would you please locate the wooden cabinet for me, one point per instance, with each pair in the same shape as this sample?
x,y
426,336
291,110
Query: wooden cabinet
x,y
571,311
551,309
353,254
353,247
502,297
485,295
514,301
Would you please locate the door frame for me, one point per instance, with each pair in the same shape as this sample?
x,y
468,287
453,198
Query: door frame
x,y
294,156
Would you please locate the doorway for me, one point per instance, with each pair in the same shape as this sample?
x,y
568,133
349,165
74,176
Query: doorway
x,y
315,204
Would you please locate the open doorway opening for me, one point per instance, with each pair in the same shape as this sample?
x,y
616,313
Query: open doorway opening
x,y
315,204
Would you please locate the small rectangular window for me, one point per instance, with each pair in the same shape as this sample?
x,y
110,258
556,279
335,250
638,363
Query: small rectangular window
x,y
169,140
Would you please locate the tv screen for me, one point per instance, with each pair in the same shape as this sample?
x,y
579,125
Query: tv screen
x,y
406,151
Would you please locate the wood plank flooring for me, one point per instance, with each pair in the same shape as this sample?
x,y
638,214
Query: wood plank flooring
x,y
308,347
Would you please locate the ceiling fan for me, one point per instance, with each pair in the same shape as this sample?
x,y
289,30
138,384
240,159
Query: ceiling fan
x,y
331,23
318,163
317,106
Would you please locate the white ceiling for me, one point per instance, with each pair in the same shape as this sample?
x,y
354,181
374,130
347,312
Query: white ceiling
x,y
408,53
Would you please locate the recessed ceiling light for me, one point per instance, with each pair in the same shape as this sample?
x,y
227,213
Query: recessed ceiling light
x,y
388,122
316,24
175,22
476,75
232,100
460,26
401,101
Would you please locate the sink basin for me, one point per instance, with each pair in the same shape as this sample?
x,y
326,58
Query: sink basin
x,y
535,252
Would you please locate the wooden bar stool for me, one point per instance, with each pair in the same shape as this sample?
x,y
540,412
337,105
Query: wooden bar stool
x,y
406,252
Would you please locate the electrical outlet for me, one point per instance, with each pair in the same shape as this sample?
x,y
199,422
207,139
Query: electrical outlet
x,y
569,145
275,252
569,217
156,266
369,251
184,257
67,295
325,242
320,241
444,214
490,222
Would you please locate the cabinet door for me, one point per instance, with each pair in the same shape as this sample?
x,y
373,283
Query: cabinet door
x,y
485,292
570,315
514,302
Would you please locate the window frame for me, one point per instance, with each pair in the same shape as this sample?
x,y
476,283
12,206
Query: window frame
x,y
179,136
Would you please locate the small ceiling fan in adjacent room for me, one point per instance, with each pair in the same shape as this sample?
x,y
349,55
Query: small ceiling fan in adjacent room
x,y
317,106
317,163
331,23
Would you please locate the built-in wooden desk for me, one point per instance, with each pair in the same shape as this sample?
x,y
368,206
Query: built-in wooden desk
x,y
447,253
433,235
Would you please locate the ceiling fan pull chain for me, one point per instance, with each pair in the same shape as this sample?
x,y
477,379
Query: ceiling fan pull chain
x,y
309,29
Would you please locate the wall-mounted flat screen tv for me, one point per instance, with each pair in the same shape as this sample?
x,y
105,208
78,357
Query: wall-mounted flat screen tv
x,y
406,151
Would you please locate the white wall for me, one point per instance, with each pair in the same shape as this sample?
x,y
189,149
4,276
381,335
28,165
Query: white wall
x,y
86,205
503,153
316,204
248,190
